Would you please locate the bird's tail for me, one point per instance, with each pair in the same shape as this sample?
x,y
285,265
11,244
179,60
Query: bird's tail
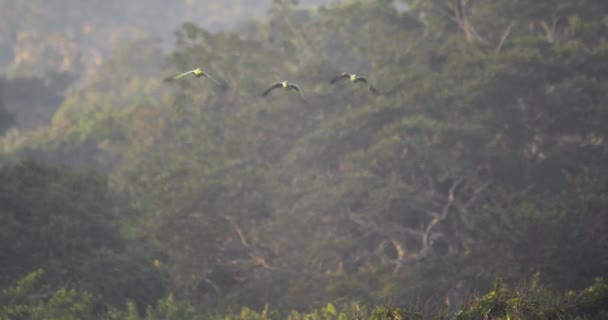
x,y
214,80
222,85
303,98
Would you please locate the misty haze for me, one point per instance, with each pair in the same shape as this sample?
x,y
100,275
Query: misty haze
x,y
303,160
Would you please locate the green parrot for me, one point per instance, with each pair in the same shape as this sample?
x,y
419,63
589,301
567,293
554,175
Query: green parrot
x,y
286,85
355,79
197,73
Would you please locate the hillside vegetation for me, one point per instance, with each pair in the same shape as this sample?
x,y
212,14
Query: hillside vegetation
x,y
474,185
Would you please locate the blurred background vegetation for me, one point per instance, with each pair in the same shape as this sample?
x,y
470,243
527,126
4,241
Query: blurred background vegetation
x,y
474,186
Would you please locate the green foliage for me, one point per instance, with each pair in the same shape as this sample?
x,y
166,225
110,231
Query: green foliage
x,y
32,100
6,118
591,301
537,303
23,300
483,156
67,223
165,309
502,303
27,299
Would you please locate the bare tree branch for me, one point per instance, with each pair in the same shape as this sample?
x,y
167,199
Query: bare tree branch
x,y
459,10
474,196
439,206
504,36
212,284
261,261
238,230
426,243
254,251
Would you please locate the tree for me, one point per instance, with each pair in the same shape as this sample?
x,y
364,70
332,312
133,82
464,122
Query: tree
x,y
486,134
67,223
6,118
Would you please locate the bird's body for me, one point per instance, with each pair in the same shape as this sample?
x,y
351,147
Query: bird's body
x,y
354,79
285,85
197,73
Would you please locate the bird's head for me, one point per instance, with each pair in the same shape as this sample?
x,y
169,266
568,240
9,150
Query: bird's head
x,y
353,77
285,84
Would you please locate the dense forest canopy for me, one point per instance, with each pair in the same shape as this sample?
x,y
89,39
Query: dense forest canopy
x,y
477,166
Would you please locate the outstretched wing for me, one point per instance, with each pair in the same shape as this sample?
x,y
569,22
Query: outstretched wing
x,y
372,89
293,86
212,79
184,74
361,79
274,86
342,76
